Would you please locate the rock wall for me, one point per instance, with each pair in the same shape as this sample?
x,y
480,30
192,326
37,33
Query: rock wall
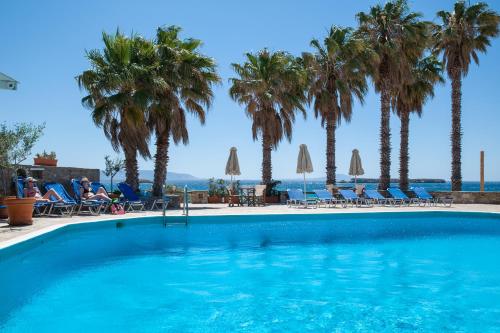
x,y
61,175
471,197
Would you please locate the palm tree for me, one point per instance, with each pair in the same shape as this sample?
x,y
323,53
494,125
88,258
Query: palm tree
x,y
462,34
396,35
410,98
189,77
272,86
338,68
118,86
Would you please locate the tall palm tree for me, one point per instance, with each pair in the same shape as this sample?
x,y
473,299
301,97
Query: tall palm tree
x,y
396,35
189,77
272,87
118,86
409,98
463,33
338,67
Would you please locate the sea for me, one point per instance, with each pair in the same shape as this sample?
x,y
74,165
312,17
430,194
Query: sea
x,y
467,186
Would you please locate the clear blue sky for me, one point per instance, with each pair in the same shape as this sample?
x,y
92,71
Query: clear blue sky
x,y
43,46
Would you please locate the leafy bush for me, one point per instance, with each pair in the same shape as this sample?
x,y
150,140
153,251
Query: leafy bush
x,y
271,188
16,144
51,156
217,187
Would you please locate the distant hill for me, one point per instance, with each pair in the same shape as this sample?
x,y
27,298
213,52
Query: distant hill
x,y
396,180
339,176
149,175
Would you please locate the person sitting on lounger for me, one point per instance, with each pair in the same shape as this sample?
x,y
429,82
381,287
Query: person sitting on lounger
x,y
86,192
32,191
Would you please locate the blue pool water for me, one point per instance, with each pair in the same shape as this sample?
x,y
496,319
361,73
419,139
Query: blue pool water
x,y
407,272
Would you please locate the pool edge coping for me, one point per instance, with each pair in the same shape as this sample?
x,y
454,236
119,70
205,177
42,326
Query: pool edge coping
x,y
48,229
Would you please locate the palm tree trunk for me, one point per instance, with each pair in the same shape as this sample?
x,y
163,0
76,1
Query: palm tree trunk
x,y
131,167
267,175
456,130
330,151
161,162
385,138
403,150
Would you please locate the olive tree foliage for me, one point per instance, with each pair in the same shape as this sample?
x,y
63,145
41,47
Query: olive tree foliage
x,y
112,167
16,144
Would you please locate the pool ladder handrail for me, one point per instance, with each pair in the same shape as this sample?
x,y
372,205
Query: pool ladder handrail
x,y
185,208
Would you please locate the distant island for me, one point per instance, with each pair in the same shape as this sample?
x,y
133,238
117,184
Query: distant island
x,y
396,180
148,176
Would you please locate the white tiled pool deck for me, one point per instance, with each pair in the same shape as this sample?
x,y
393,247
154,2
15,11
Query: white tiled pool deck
x,y
11,235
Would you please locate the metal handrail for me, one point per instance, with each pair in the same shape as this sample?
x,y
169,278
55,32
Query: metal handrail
x,y
185,209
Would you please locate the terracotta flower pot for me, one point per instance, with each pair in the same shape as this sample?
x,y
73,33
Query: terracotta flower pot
x,y
214,199
3,211
274,199
20,210
45,161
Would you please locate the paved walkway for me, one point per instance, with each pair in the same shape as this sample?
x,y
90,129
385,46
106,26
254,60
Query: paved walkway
x,y
11,235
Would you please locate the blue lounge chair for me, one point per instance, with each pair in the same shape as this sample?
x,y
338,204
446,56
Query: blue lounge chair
x,y
325,197
67,206
378,198
95,186
131,202
93,207
426,198
40,207
352,198
400,196
296,198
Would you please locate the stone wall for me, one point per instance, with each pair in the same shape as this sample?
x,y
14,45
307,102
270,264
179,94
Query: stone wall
x,y
61,175
470,197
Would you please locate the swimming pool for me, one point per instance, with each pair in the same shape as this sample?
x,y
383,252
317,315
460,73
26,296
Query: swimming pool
x,y
281,273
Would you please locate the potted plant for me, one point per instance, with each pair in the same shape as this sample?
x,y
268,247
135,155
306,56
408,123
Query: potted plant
x,y
16,144
46,159
216,190
272,194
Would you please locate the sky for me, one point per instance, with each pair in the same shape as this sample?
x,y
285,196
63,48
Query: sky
x,y
43,46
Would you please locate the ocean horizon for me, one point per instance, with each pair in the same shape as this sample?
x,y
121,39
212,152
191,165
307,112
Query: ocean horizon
x,y
202,184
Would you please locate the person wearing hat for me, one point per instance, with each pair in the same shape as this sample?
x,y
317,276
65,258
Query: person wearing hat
x,y
32,191
86,192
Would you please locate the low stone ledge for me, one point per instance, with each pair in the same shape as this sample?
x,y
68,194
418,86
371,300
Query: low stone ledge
x,y
470,197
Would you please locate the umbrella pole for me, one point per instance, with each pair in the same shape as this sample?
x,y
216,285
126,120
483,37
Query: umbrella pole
x,y
305,190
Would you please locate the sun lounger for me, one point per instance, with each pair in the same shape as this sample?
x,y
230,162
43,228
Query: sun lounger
x,y
67,206
375,197
352,198
40,207
131,201
399,195
296,198
426,198
326,198
96,186
93,207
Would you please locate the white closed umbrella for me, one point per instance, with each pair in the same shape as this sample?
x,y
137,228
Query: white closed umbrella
x,y
232,165
356,168
304,164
